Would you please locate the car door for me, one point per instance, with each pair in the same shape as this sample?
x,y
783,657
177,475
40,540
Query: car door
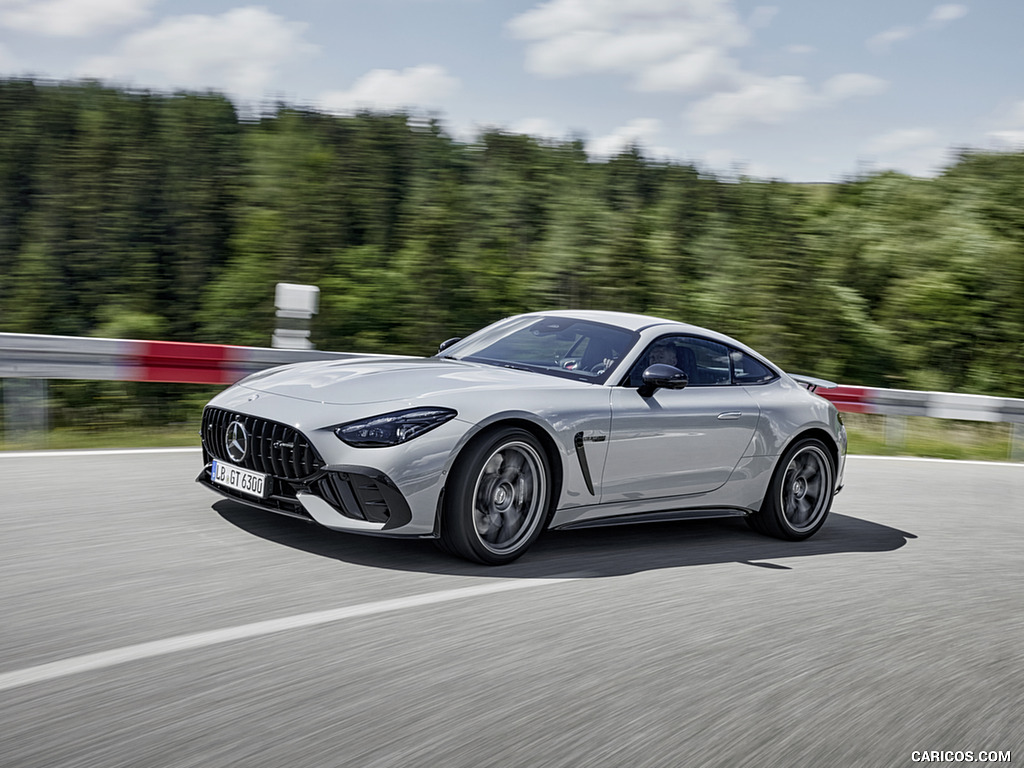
x,y
678,442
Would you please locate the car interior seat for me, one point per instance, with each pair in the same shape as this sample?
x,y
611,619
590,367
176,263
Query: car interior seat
x,y
687,362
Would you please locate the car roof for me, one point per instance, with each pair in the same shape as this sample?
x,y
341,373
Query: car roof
x,y
626,320
633,322
638,323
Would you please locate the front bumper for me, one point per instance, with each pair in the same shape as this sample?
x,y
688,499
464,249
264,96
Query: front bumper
x,y
343,501
299,483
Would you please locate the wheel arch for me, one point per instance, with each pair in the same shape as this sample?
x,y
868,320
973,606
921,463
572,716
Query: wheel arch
x,y
768,518
543,436
821,434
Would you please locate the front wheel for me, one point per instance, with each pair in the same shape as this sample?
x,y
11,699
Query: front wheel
x,y
497,499
800,494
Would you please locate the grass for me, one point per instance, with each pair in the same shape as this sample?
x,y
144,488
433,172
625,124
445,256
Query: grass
x,y
935,438
120,437
872,435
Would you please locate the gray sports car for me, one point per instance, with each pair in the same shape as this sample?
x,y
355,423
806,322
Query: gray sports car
x,y
545,420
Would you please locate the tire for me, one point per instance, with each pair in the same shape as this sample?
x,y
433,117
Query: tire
x,y
497,500
800,493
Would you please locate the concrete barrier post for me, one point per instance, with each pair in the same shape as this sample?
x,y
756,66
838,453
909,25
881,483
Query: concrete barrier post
x,y
1017,442
26,412
895,430
296,305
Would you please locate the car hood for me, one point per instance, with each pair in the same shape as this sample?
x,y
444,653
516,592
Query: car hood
x,y
377,380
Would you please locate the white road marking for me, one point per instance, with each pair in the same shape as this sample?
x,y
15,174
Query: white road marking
x,y
103,659
93,452
943,461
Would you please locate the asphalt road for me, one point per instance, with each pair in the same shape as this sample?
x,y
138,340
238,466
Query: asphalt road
x,y
145,623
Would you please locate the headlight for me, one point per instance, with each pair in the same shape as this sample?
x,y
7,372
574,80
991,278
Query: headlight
x,y
393,428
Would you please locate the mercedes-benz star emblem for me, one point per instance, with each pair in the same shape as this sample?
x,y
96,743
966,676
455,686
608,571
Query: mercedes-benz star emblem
x,y
236,440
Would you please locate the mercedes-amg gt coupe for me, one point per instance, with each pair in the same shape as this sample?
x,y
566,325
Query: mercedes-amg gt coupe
x,y
547,420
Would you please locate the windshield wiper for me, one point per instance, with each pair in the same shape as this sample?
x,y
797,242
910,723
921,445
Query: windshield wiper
x,y
504,364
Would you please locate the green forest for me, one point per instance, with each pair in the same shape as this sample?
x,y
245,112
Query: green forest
x,y
171,216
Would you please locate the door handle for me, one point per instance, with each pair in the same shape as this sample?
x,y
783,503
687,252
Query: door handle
x,y
729,415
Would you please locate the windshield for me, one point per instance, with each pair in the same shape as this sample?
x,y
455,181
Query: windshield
x,y
559,346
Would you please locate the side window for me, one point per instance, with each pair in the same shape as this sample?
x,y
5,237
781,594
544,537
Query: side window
x,y
747,370
705,363
710,362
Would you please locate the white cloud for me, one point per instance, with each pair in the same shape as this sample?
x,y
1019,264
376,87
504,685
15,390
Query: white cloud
x,y
682,46
1017,113
1010,133
773,100
664,45
939,16
702,69
901,140
425,86
883,41
1008,139
842,87
640,132
801,50
943,13
238,51
538,127
764,100
70,18
763,15
916,151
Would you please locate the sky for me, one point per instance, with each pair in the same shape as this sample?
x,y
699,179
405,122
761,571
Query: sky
x,y
799,90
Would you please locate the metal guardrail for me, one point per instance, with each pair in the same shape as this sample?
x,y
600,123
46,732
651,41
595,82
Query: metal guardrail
x,y
29,361
935,405
30,356
895,405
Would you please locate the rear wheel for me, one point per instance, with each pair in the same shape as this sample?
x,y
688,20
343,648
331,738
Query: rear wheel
x,y
800,494
497,499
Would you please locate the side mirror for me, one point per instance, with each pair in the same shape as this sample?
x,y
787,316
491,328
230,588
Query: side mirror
x,y
661,376
447,343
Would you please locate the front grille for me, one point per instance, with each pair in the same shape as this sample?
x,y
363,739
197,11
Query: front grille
x,y
274,449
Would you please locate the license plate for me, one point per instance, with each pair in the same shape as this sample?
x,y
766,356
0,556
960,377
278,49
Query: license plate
x,y
251,483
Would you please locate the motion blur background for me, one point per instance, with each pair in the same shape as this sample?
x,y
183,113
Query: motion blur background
x,y
838,184
130,208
